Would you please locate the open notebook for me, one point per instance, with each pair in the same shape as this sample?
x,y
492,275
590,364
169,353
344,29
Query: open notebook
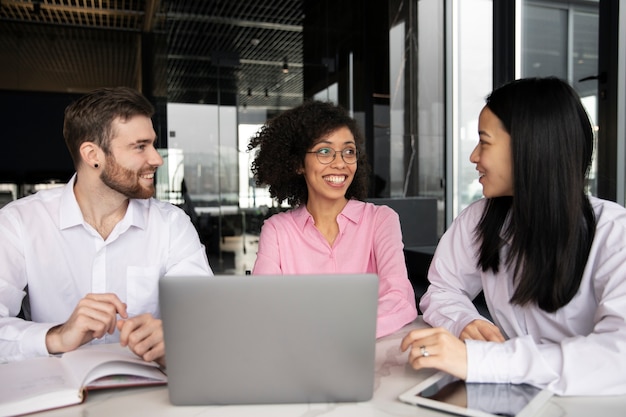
x,y
269,339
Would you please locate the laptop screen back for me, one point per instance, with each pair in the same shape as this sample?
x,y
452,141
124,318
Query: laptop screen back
x,y
269,339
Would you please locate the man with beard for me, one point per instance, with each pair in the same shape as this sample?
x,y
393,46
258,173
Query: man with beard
x,y
81,263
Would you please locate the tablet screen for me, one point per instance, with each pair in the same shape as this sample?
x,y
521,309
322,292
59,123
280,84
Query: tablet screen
x,y
448,393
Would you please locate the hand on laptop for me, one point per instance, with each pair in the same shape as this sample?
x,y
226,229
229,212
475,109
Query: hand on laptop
x,y
94,316
143,334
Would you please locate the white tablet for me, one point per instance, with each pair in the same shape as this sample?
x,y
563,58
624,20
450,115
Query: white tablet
x,y
444,392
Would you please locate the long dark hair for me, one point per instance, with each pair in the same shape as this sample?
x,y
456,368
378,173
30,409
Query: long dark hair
x,y
549,221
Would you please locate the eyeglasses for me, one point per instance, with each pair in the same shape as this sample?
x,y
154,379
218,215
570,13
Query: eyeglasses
x,y
327,155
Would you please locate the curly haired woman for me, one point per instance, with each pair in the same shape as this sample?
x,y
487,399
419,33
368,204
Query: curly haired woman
x,y
313,157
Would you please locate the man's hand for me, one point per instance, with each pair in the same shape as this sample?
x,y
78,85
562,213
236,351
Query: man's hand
x,y
144,336
94,316
482,330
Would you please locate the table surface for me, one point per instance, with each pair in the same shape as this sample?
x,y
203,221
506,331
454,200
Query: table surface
x,y
392,377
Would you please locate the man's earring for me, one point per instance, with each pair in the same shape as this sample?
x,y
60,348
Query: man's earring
x,y
95,165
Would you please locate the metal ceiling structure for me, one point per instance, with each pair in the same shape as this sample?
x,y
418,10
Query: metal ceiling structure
x,y
194,51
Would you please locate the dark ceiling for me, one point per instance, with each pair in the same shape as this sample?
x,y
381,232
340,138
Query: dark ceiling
x,y
170,47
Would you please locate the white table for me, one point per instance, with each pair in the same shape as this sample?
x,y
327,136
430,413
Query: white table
x,y
393,376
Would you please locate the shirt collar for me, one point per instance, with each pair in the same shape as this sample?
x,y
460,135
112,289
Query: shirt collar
x,y
353,211
70,214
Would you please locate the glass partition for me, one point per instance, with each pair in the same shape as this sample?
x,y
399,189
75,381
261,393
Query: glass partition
x,y
560,38
471,81
8,193
203,140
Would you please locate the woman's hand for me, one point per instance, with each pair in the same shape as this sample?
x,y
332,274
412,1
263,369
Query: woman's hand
x,y
482,330
436,348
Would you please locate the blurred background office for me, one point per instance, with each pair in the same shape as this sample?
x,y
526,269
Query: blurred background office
x,y
413,73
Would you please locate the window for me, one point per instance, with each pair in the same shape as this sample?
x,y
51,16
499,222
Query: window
x,y
560,38
470,80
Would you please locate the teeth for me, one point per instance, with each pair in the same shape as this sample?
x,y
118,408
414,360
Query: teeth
x,y
148,176
335,179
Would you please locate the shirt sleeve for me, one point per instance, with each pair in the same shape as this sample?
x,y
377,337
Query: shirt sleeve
x,y
187,255
268,254
396,298
18,338
585,364
454,278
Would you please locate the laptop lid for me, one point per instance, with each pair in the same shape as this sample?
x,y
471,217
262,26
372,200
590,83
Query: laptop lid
x,y
259,339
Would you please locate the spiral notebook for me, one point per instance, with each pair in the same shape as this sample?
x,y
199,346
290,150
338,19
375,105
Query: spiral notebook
x,y
269,339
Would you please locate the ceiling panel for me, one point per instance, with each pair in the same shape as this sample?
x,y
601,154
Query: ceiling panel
x,y
203,51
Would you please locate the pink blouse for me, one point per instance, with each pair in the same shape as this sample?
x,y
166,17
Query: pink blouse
x,y
369,241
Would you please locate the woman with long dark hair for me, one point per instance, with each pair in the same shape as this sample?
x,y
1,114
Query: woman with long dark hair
x,y
550,260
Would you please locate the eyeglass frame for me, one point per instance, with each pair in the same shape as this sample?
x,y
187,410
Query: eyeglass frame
x,y
317,155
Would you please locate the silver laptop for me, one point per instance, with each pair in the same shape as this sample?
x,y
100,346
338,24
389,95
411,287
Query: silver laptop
x,y
269,339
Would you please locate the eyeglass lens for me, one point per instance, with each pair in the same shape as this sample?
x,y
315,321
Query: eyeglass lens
x,y
327,155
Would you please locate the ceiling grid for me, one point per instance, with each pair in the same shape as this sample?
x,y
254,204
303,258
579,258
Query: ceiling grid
x,y
78,45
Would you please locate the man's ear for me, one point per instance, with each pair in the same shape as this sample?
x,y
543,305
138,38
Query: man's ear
x,y
91,154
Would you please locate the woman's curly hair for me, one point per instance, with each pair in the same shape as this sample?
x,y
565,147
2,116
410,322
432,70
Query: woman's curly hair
x,y
284,140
